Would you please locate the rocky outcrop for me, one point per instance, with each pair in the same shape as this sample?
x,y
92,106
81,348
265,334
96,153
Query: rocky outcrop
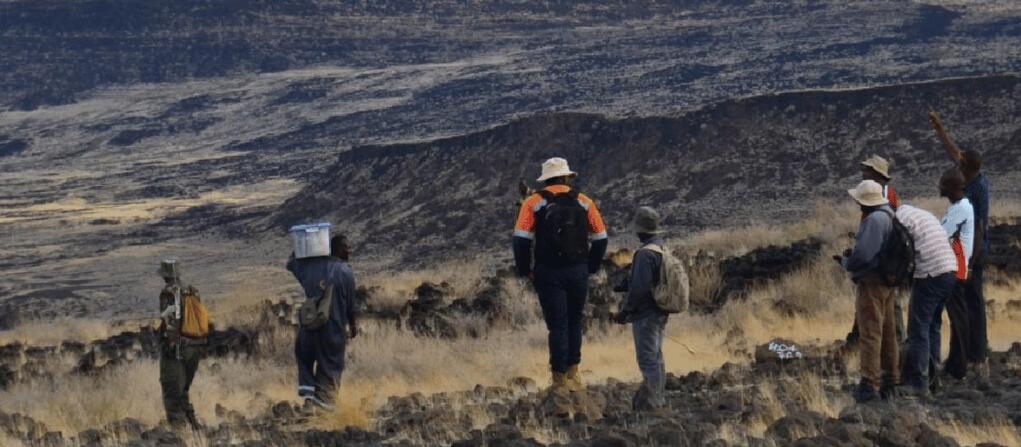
x,y
24,363
1005,248
720,408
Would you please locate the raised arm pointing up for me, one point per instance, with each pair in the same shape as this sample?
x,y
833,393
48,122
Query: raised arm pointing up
x,y
941,132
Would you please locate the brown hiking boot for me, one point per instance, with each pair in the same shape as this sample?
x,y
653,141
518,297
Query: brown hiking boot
x,y
558,400
572,379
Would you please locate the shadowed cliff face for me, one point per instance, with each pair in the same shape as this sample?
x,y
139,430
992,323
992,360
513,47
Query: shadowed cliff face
x,y
731,163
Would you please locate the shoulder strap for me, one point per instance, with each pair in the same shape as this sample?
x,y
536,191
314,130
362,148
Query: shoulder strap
x,y
550,195
893,229
893,217
655,248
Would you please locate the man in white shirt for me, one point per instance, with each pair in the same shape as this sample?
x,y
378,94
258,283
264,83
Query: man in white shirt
x,y
935,269
959,224
959,220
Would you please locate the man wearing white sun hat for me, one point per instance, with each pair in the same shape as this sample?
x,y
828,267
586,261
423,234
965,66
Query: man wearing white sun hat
x,y
570,241
874,304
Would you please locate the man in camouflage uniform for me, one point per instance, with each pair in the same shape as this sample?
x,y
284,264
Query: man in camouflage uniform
x,y
179,356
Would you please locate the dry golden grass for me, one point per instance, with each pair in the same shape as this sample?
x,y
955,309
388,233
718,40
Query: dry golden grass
x,y
394,288
384,362
73,404
1001,432
1006,210
79,210
828,221
10,442
806,392
706,281
818,288
53,332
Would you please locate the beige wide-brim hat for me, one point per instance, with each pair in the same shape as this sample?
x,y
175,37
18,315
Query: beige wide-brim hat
x,y
555,167
879,164
868,193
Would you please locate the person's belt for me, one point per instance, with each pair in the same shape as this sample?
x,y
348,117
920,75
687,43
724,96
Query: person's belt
x,y
193,341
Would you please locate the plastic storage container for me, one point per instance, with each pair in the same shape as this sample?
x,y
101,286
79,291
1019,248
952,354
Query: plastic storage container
x,y
311,240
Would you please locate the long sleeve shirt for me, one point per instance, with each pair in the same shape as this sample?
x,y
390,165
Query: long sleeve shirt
x,y
977,192
873,233
960,220
645,271
525,226
312,272
933,254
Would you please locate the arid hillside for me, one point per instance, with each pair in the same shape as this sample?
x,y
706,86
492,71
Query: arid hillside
x,y
733,163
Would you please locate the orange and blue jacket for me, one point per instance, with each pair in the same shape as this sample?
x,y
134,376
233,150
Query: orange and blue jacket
x,y
524,230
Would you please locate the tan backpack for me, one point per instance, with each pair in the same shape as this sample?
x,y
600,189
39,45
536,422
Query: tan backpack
x,y
671,294
315,311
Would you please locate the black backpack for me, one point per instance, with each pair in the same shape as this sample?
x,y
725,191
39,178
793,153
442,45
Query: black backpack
x,y
897,257
561,231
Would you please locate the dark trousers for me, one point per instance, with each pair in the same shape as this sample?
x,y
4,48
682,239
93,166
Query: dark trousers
x,y
320,355
960,332
974,298
176,375
925,313
562,293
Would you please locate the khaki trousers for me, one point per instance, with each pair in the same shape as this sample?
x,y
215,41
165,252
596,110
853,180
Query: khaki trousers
x,y
878,325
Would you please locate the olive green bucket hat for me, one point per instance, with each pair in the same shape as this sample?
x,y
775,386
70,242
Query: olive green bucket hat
x,y
646,221
169,268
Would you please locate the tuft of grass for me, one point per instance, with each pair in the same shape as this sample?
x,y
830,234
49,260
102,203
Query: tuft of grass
x,y
706,281
392,289
1000,432
54,332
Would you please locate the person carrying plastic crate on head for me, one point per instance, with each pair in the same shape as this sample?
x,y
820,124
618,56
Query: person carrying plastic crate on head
x,y
326,319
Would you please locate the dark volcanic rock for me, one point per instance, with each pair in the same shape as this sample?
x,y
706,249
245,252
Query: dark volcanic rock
x,y
9,317
723,188
795,426
11,147
429,315
762,264
102,355
700,412
1005,248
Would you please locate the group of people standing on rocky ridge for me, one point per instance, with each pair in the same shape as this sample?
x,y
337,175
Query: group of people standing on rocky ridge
x,y
560,239
945,262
